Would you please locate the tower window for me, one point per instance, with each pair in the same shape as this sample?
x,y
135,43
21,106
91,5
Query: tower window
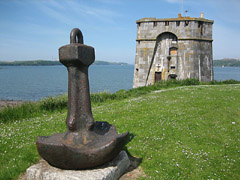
x,y
186,23
166,23
154,23
200,25
172,76
178,23
173,51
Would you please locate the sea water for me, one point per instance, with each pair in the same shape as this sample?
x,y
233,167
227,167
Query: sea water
x,y
31,83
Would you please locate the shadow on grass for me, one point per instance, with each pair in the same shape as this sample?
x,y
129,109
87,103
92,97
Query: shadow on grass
x,y
134,161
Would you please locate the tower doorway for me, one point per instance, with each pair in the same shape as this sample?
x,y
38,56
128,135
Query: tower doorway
x,y
158,76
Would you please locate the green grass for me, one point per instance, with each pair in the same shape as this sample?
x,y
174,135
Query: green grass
x,y
33,109
182,133
59,103
186,132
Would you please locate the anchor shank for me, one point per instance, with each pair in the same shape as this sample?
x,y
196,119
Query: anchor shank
x,y
79,105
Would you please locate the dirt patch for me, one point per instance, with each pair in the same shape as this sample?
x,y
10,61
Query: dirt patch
x,y
10,103
134,171
22,176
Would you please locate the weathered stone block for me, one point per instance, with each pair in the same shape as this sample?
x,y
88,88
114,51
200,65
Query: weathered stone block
x,y
111,171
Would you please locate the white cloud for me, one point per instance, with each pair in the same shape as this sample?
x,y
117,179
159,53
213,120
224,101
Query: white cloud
x,y
103,14
173,1
69,12
110,1
59,15
56,4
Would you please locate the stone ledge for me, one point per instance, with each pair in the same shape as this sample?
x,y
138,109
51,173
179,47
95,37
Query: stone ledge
x,y
110,171
180,39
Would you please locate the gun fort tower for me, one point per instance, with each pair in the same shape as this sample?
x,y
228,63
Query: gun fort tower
x,y
178,48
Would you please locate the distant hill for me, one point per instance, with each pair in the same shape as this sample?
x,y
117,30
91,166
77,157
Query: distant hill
x,y
227,62
109,63
50,63
219,63
30,63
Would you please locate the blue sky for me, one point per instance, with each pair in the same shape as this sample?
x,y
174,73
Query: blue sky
x,y
35,29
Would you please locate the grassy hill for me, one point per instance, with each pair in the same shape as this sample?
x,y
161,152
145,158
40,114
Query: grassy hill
x,y
187,132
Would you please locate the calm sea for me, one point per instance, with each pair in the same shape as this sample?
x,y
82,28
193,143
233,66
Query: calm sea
x,y
31,83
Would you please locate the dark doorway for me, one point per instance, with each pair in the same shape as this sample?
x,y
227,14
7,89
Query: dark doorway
x,y
158,76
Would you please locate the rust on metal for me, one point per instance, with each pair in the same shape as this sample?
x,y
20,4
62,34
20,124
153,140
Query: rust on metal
x,y
87,143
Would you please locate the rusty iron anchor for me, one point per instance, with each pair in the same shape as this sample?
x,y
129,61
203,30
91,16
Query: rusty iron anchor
x,y
87,143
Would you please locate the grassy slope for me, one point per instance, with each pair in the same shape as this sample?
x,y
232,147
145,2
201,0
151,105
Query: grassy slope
x,y
184,132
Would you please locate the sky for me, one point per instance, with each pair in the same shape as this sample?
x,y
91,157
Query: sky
x,y
35,29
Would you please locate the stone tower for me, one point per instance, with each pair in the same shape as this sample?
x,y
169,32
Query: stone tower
x,y
174,48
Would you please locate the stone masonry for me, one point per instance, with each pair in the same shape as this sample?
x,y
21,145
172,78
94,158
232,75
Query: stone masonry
x,y
173,48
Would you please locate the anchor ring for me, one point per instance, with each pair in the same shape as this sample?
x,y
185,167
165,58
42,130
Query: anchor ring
x,y
76,36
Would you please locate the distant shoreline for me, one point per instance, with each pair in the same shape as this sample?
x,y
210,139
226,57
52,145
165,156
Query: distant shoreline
x,y
226,63
51,63
216,63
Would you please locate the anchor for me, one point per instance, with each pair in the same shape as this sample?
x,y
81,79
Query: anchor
x,y
86,144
